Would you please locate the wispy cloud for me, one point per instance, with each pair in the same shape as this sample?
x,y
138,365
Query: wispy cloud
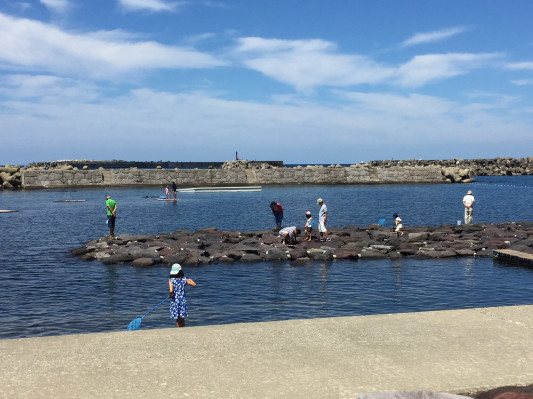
x,y
56,5
46,88
431,37
34,46
520,66
424,69
308,63
522,82
150,5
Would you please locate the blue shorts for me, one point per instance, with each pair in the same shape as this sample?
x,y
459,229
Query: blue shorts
x,y
111,220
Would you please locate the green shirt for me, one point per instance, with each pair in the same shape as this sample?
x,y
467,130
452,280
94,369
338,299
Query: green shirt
x,y
110,203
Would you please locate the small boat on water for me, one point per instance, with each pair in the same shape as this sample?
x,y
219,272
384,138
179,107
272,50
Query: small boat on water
x,y
7,211
220,189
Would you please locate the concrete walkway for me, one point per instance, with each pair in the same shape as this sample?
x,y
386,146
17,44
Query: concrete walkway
x,y
457,351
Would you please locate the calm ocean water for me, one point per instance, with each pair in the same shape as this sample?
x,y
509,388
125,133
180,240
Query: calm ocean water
x,y
45,292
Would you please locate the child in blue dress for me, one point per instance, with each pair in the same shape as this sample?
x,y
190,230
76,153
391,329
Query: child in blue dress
x,y
176,286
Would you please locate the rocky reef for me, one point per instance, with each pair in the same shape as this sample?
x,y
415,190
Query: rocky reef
x,y
205,246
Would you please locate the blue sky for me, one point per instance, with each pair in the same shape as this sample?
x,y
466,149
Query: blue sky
x,y
299,81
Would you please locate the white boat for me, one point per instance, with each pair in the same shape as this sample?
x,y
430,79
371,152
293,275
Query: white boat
x,y
219,189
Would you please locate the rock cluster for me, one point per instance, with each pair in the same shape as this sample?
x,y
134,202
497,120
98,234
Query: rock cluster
x,y
209,245
10,177
478,167
244,164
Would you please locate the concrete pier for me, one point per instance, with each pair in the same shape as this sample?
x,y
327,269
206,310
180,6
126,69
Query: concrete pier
x,y
458,351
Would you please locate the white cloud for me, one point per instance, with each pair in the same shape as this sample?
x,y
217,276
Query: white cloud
x,y
150,5
424,69
305,64
46,88
34,46
520,66
409,106
56,5
522,82
308,63
431,37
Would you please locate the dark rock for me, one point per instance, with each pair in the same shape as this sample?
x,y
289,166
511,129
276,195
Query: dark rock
x,y
250,258
79,251
179,257
395,255
142,262
464,252
118,259
367,253
440,254
301,261
484,253
379,236
415,237
298,253
275,254
205,230
345,254
225,259
438,236
323,254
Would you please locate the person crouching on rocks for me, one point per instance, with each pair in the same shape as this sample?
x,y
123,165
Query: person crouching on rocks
x,y
176,291
288,235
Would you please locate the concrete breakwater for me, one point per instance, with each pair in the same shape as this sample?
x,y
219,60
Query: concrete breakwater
x,y
244,172
209,245
234,175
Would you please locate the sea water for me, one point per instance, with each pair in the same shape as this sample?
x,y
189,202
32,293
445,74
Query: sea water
x,y
43,291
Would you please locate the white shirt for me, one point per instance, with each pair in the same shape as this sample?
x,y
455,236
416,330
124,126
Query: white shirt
x,y
468,200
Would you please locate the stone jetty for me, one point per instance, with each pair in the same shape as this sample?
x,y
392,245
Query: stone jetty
x,y
205,246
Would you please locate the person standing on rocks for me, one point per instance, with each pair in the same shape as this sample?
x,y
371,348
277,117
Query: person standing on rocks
x,y
174,190
176,291
277,210
468,202
398,225
322,218
309,224
111,214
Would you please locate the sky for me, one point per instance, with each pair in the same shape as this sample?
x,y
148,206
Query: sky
x,y
299,81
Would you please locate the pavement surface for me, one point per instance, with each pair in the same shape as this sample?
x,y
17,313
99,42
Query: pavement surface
x,y
457,351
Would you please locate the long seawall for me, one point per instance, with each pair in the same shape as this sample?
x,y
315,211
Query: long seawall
x,y
355,174
62,174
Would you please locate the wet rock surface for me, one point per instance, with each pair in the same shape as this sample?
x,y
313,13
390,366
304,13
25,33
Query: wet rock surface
x,y
208,245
